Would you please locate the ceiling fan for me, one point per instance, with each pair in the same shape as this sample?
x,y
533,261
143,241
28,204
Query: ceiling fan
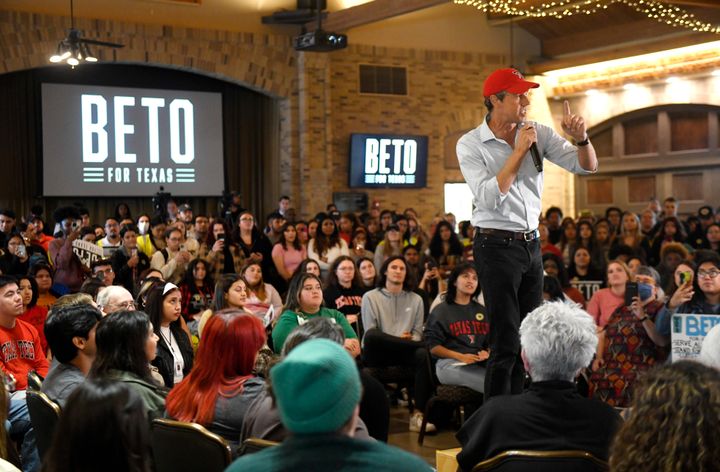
x,y
74,48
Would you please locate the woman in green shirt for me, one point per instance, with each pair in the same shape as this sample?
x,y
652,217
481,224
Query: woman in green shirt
x,y
304,302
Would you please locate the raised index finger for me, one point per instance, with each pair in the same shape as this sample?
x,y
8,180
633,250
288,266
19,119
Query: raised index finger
x,y
567,108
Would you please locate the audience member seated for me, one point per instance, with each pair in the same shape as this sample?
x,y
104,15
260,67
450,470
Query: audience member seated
x,y
445,248
553,266
304,302
128,262
631,235
359,244
230,292
16,259
69,270
582,267
327,243
288,253
32,313
114,298
545,245
174,357
43,275
173,260
263,420
672,423
558,341
343,291
70,331
102,270
671,255
21,353
254,245
628,342
391,245
317,388
103,427
367,273
308,265
456,330
224,255
219,389
392,317
671,231
263,299
196,290
712,234
699,294
153,240
126,344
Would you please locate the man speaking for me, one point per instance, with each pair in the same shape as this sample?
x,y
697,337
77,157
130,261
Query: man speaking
x,y
497,162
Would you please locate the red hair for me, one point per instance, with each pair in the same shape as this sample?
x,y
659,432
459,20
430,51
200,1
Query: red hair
x,y
225,360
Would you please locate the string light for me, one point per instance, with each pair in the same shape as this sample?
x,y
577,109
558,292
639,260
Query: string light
x,y
661,12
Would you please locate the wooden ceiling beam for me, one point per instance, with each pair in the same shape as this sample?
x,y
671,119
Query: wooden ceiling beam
x,y
605,37
619,51
371,12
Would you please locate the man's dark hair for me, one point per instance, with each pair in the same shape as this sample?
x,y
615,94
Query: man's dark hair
x,y
87,230
83,211
407,283
609,210
100,262
64,323
410,246
552,210
283,197
488,102
670,199
459,269
7,280
125,228
704,255
66,212
276,215
8,212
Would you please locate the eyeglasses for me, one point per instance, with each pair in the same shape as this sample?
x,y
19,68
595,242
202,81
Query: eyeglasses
x,y
128,305
247,218
709,274
103,272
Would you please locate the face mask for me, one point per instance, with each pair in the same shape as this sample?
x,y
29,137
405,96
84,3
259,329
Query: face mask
x,y
143,227
644,291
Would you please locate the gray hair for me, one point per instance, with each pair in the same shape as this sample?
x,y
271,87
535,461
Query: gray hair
x,y
649,272
710,350
108,294
318,327
558,340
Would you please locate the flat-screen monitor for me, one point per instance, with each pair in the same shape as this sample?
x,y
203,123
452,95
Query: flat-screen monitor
x,y
390,161
113,141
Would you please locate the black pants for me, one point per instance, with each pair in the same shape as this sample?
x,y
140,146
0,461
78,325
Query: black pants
x,y
374,407
384,350
511,277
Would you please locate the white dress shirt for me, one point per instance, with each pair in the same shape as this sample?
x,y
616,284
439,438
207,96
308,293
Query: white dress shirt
x,y
482,155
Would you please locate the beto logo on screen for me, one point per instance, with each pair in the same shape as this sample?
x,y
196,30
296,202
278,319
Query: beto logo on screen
x,y
178,116
388,160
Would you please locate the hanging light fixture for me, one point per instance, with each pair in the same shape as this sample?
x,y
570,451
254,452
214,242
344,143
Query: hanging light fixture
x,y
74,49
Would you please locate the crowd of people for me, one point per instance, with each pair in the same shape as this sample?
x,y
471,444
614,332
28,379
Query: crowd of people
x,y
194,317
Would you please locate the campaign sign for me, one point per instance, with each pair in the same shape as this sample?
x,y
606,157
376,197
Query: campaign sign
x,y
688,332
587,287
112,141
391,161
87,252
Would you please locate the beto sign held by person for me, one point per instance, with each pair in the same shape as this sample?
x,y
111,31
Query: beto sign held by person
x,y
506,179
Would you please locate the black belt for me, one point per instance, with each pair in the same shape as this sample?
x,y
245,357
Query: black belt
x,y
501,233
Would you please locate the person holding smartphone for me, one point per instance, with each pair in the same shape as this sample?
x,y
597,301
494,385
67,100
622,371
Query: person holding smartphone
x,y
69,269
628,342
697,293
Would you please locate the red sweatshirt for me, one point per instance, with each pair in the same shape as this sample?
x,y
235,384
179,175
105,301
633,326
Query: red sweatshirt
x,y
20,352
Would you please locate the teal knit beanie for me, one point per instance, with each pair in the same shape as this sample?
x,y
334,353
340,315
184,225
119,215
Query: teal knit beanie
x,y
317,387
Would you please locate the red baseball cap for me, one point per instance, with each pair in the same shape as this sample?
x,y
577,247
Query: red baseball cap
x,y
507,80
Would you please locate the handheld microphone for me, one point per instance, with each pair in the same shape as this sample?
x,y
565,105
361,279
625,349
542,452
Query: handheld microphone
x,y
537,159
535,153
